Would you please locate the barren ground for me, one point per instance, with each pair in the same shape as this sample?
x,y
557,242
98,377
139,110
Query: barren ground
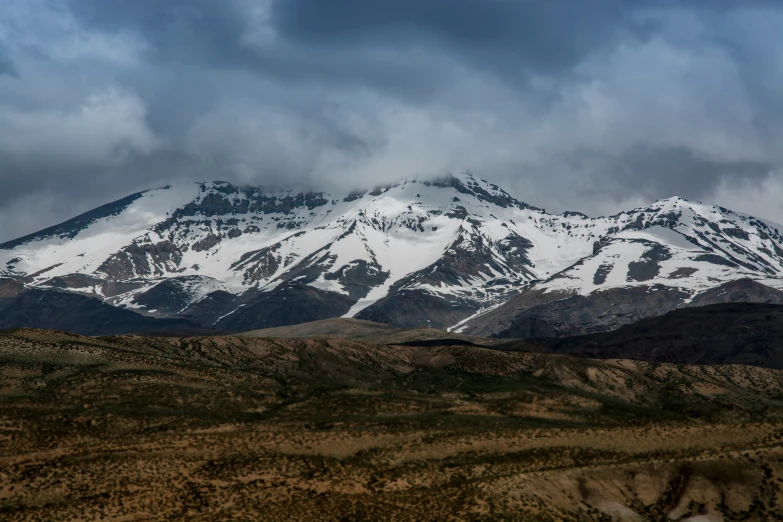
x,y
232,428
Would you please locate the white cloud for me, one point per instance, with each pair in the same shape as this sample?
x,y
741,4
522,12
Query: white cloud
x,y
760,199
658,95
105,129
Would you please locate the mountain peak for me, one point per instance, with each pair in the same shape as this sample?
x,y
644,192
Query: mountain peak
x,y
673,201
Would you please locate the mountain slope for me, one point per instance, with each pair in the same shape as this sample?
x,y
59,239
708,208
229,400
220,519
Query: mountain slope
x,y
443,253
656,259
727,333
80,314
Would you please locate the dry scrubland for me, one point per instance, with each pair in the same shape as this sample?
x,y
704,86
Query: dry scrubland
x,y
241,428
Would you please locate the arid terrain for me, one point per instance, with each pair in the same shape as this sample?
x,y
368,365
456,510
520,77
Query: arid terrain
x,y
250,428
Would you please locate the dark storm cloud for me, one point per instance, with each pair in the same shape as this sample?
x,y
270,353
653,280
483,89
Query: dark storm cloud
x,y
657,172
208,31
188,31
212,34
7,66
513,37
337,42
620,101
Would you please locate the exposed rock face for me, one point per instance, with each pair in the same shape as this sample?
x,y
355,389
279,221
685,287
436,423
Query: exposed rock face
x,y
260,265
649,265
358,278
221,198
142,259
208,242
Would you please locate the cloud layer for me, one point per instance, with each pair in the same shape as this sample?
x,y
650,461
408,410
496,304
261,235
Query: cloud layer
x,y
590,106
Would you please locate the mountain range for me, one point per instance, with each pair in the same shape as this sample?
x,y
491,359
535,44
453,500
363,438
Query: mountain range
x,y
455,253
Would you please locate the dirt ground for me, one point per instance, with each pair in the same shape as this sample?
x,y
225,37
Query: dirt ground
x,y
205,429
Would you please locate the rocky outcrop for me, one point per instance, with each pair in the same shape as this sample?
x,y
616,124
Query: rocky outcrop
x,y
142,259
225,199
649,265
357,278
259,265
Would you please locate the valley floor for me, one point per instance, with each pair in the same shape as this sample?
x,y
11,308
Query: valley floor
x,y
130,428
235,472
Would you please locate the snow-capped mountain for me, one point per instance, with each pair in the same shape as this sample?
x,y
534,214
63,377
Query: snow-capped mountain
x,y
443,253
671,254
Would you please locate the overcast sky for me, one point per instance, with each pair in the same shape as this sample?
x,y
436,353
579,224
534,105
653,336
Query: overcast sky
x,y
589,105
